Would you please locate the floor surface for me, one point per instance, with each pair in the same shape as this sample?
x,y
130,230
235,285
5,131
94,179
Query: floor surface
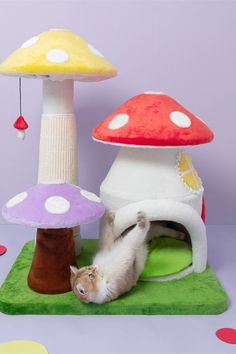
x,y
127,334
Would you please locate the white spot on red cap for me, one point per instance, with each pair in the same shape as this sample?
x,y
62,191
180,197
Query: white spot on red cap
x,y
57,56
90,196
118,121
16,200
57,205
180,119
95,51
30,42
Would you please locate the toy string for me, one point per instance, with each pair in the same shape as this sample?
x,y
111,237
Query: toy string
x,y
20,90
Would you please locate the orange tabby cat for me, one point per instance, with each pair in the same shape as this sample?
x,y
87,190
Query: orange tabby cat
x,y
117,265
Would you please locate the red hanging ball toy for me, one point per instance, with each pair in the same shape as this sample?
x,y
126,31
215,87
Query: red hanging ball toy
x,y
21,125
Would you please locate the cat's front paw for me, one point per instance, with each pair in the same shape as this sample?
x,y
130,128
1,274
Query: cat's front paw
x,y
110,217
142,220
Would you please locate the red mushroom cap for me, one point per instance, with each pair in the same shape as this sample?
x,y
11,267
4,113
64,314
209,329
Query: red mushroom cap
x,y
20,123
152,119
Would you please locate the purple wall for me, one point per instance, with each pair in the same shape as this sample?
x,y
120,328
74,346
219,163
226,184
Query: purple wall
x,y
186,49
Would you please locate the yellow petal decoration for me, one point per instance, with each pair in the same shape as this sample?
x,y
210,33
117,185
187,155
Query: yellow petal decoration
x,y
188,173
22,347
58,54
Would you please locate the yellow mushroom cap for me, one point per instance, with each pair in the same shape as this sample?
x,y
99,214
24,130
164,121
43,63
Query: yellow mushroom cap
x,y
58,55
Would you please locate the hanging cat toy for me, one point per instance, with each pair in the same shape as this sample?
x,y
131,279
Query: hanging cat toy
x,y
20,124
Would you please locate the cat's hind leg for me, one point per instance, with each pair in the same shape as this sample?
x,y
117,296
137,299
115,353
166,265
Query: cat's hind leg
x,y
107,236
126,249
138,234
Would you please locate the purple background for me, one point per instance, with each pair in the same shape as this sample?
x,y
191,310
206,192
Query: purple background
x,y
186,49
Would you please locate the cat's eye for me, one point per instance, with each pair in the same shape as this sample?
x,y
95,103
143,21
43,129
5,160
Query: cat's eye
x,y
91,276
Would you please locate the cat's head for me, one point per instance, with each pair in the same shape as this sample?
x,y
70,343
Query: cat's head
x,y
85,283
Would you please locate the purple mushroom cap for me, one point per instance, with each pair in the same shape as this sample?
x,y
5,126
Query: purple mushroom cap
x,y
53,206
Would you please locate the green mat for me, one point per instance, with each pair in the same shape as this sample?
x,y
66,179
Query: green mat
x,y
194,294
166,256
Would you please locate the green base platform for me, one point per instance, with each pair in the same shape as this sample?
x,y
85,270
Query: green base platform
x,y
194,294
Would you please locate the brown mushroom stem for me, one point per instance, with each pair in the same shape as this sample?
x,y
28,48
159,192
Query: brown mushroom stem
x,y
50,269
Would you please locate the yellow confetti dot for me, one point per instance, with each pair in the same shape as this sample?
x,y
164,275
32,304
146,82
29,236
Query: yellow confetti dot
x,y
22,347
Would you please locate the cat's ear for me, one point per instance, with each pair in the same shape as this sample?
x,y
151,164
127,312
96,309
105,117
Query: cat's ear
x,y
73,271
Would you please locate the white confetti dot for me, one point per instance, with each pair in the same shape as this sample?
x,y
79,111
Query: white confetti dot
x,y
95,51
57,56
118,121
90,196
180,119
153,93
30,42
16,200
57,205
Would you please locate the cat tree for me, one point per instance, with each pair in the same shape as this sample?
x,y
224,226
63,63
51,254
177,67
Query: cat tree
x,y
58,57
151,173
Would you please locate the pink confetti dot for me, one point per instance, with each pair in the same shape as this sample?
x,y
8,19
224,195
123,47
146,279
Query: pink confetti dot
x,y
227,335
3,250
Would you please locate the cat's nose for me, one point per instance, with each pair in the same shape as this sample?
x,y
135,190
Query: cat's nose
x,y
82,291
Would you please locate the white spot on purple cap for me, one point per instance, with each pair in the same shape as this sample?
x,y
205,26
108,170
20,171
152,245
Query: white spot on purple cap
x,y
17,199
57,205
90,196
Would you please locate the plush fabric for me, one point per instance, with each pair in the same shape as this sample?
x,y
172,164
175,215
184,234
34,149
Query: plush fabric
x,y
53,256
124,183
166,256
145,120
58,53
194,294
53,206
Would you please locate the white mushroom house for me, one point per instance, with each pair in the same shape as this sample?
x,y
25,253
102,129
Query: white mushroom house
x,y
153,173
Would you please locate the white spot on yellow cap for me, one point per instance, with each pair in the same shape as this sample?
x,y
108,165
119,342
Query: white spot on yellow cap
x,y
118,121
180,119
57,56
95,51
30,42
57,205
16,200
